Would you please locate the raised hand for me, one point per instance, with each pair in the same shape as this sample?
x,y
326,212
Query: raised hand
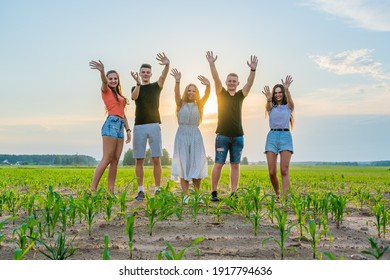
x,y
267,93
162,58
253,62
204,80
176,74
210,56
286,83
97,65
136,77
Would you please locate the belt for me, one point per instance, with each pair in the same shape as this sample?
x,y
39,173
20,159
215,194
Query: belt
x,y
280,129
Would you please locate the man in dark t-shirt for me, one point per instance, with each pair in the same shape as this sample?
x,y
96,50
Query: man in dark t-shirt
x,y
230,135
147,122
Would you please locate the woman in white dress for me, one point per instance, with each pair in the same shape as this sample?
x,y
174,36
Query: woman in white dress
x,y
189,162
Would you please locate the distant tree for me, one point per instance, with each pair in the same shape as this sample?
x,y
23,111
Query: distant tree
x,y
128,158
244,161
210,160
165,159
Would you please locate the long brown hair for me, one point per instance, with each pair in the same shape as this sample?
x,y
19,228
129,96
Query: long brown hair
x,y
118,90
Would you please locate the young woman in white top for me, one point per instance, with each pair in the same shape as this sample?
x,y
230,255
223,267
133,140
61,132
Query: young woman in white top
x,y
280,107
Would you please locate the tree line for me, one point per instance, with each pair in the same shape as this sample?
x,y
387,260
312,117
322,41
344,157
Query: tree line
x,y
47,159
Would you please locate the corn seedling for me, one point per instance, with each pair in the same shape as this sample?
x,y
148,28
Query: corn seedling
x,y
195,201
61,250
90,209
19,253
377,250
2,223
12,202
21,233
122,201
332,257
167,202
338,207
297,205
171,254
108,207
106,253
381,218
284,231
253,201
315,236
152,211
130,231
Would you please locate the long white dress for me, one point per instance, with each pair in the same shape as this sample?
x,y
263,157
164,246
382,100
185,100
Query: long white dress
x,y
189,155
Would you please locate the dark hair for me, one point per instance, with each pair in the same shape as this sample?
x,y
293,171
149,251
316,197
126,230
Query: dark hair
x,y
284,100
145,65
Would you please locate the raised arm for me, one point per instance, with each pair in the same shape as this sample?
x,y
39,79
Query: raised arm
x,y
100,67
135,92
286,84
206,95
252,65
214,73
268,95
177,75
163,61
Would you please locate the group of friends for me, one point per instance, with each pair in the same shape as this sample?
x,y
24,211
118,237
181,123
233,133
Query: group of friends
x,y
189,161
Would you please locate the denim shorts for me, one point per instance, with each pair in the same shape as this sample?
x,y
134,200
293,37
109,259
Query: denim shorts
x,y
278,141
113,127
225,144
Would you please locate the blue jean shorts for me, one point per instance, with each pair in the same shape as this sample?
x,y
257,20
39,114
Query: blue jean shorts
x,y
113,127
278,141
225,144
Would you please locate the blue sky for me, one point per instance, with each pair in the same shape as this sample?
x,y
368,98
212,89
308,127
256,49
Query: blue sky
x,y
336,51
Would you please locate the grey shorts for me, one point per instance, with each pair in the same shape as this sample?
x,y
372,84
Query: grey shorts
x,y
150,133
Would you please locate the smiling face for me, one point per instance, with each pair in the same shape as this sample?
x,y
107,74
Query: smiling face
x,y
278,94
112,79
232,82
145,73
191,93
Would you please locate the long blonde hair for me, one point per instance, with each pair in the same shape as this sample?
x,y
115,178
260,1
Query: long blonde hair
x,y
184,100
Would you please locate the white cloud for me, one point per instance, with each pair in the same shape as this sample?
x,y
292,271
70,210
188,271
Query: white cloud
x,y
352,62
346,100
366,14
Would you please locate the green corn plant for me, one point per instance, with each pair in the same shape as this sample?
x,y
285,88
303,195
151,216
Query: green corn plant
x,y
106,253
122,201
284,231
377,251
90,209
381,218
12,202
61,250
2,197
195,201
271,208
21,232
332,257
338,207
363,197
72,210
218,211
315,236
30,204
179,209
298,206
2,223
19,253
108,207
152,207
55,213
253,201
167,201
171,253
130,231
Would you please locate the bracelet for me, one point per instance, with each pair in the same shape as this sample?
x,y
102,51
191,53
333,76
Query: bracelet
x,y
269,100
138,84
128,130
253,70
177,81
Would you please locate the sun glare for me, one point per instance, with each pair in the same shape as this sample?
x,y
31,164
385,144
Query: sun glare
x,y
211,106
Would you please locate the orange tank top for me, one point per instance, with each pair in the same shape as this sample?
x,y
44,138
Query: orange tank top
x,y
112,105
